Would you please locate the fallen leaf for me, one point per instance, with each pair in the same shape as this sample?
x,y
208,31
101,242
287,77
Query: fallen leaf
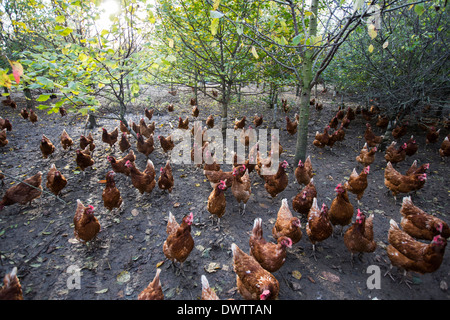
x,y
123,277
176,204
102,291
330,277
102,181
296,274
134,212
159,264
212,267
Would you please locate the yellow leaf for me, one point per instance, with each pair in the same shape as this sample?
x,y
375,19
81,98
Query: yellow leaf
x,y
385,44
372,32
216,4
370,48
197,184
296,274
170,42
159,264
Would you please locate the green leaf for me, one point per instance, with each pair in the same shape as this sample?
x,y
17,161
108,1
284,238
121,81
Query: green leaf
x,y
419,9
60,19
43,97
66,32
214,26
296,39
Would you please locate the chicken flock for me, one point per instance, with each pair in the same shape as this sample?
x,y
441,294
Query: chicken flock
x,y
254,269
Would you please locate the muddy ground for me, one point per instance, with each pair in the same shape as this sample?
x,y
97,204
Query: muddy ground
x,y
38,239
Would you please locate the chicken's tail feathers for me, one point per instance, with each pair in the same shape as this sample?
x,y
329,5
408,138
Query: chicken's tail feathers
x,y
205,283
393,224
314,204
257,228
284,202
158,271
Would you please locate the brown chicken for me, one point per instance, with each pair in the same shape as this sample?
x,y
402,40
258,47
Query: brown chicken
x,y
87,141
382,121
217,203
366,157
321,139
303,201
84,159
291,126
341,210
398,183
414,169
123,126
143,181
86,225
350,114
23,193
411,146
146,147
400,130
154,290
55,180
252,280
395,155
11,290
111,195
46,146
135,127
66,140
241,186
318,227
179,242
118,166
195,111
419,224
240,124
24,113
275,184
149,113
3,138
8,102
371,139
183,124
257,120
124,144
432,135
333,122
210,121
409,254
5,124
357,183
110,138
270,256
286,224
166,143
207,292
359,236
145,130
33,116
284,105
165,180
304,171
170,108
62,111
444,150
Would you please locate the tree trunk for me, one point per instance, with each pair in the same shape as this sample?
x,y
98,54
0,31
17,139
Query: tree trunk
x,y
302,131
28,96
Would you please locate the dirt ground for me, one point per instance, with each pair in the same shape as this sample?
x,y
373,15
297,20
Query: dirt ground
x,y
38,239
